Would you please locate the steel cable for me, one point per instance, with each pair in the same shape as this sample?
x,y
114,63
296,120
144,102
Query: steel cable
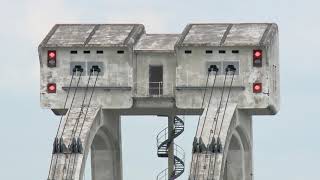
x,y
74,95
85,116
205,118
64,106
203,98
216,116
75,127
220,128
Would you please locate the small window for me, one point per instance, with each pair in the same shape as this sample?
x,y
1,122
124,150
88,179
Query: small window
x,y
120,51
235,51
222,51
86,52
187,51
99,52
209,51
74,52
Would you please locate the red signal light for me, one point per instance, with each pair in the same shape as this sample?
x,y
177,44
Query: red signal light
x,y
257,87
52,88
257,53
52,58
52,54
257,58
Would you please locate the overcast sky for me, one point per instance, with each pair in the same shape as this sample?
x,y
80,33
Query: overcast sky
x,y
286,146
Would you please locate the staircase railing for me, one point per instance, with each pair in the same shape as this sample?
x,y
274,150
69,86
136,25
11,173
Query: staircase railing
x,y
163,143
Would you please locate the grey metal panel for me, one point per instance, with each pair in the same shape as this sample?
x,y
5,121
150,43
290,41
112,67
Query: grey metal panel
x,y
245,34
111,34
205,34
70,35
157,42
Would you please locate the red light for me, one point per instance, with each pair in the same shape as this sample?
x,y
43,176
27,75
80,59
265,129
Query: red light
x,y
257,58
52,88
257,87
52,54
258,54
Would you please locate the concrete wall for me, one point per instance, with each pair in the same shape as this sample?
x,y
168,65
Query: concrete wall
x,y
146,59
192,75
114,85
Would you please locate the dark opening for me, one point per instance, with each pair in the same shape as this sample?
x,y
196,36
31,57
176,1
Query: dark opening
x,y
188,51
222,51
74,52
99,52
86,52
208,51
120,51
155,80
235,51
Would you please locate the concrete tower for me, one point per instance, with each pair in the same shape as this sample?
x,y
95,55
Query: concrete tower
x,y
91,74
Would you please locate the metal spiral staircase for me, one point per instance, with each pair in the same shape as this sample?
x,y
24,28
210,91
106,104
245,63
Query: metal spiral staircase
x,y
163,144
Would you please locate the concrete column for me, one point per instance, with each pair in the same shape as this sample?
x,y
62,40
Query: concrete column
x,y
106,160
171,146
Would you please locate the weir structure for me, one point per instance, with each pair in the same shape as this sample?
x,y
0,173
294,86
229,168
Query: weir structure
x,y
91,74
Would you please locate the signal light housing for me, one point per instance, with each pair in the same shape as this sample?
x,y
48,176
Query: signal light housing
x,y
257,58
257,87
52,58
52,88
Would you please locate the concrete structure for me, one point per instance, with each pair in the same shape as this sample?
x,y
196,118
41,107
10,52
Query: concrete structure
x,y
91,74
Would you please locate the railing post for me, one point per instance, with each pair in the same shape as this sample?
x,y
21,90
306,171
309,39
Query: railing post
x,y
159,83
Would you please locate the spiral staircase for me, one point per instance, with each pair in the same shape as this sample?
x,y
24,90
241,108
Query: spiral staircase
x,y
164,141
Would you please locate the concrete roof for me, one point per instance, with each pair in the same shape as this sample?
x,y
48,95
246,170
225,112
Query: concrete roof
x,y
102,35
123,35
157,42
248,34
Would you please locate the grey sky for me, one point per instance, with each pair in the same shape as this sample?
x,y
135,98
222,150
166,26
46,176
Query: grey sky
x,y
286,146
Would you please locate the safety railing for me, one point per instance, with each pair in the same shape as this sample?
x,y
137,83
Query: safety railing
x,y
163,175
179,167
154,89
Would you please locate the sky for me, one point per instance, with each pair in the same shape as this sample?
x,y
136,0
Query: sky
x,y
286,146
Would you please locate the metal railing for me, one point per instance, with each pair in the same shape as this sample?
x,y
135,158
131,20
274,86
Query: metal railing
x,y
154,89
163,175
179,156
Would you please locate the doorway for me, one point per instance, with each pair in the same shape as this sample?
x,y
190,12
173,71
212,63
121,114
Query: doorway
x,y
156,80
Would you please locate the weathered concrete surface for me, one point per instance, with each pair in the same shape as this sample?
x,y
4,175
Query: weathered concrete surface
x,y
125,75
157,42
235,162
122,88
96,35
101,133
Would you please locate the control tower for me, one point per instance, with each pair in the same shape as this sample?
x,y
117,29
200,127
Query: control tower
x,y
91,74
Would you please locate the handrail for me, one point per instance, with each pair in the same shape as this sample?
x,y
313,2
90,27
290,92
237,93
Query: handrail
x,y
163,143
163,174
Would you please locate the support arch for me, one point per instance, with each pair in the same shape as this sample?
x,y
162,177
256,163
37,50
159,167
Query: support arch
x,y
234,164
102,134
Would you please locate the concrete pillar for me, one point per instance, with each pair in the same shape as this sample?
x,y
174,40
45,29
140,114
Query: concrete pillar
x,y
106,160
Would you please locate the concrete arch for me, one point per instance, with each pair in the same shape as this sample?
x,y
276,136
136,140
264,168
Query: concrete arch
x,y
235,138
100,132
105,156
235,162
237,156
